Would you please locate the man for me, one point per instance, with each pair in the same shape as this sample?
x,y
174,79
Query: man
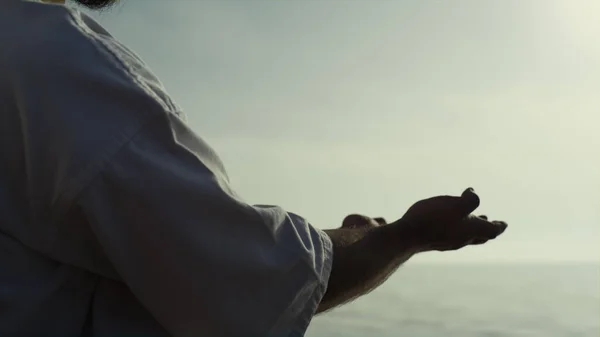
x,y
117,220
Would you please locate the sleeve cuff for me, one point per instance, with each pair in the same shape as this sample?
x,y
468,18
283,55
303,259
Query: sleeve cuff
x,y
299,327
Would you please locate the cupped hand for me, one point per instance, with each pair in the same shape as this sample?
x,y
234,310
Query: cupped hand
x,y
445,223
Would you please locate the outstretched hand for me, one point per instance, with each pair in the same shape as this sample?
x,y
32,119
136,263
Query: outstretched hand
x,y
445,222
440,223
367,250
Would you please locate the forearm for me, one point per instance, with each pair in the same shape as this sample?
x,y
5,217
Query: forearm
x,y
363,258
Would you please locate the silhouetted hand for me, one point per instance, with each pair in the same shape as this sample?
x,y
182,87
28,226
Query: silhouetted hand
x,y
445,222
367,250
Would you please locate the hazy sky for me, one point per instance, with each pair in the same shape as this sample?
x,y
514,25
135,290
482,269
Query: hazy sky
x,y
333,107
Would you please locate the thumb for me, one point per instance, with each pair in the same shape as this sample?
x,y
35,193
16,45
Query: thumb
x,y
468,202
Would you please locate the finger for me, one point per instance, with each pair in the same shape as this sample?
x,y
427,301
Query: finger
x,y
468,202
503,225
380,221
483,217
479,241
456,246
484,229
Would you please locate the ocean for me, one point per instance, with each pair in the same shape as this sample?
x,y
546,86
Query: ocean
x,y
474,300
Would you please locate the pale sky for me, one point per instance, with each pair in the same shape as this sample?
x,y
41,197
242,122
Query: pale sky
x,y
334,107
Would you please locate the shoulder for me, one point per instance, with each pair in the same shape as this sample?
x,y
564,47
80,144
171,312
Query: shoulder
x,y
78,94
54,42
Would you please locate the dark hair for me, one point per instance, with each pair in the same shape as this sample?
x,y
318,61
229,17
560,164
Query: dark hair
x,y
95,4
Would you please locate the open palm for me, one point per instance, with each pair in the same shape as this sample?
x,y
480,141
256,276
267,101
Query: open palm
x,y
446,223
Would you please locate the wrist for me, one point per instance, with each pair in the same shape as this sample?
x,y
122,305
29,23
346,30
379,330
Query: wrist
x,y
401,235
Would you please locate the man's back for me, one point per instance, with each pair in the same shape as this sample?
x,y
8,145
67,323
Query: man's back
x,y
51,264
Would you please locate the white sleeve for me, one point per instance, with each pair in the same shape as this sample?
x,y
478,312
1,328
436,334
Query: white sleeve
x,y
105,139
200,259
